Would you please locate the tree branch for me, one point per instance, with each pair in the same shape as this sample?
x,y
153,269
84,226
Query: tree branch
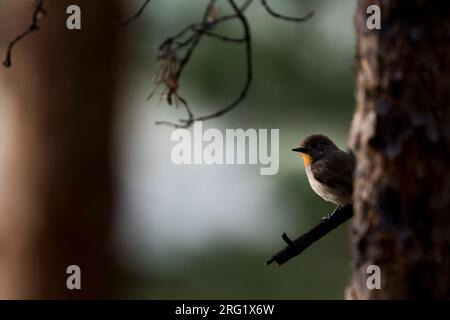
x,y
38,10
340,215
187,122
247,39
176,52
136,15
283,17
172,64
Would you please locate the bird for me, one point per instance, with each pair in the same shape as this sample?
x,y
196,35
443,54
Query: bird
x,y
328,168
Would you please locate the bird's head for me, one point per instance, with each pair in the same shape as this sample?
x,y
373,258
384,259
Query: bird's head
x,y
314,148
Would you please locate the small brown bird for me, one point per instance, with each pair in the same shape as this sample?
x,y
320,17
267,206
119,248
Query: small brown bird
x,y
329,169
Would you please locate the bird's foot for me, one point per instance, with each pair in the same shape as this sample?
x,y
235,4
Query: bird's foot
x,y
339,207
331,214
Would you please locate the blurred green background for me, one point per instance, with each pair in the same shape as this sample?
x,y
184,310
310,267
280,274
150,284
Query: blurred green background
x,y
205,231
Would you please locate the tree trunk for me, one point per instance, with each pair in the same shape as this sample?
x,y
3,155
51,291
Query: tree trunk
x,y
57,199
401,139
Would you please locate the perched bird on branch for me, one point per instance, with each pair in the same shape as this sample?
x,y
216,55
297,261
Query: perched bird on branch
x,y
329,169
330,174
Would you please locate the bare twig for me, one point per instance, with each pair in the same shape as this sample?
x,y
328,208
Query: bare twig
x,y
187,122
283,17
136,15
176,52
224,38
37,12
340,215
172,48
249,64
245,5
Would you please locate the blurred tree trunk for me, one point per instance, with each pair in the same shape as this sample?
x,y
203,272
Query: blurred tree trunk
x,y
57,198
401,138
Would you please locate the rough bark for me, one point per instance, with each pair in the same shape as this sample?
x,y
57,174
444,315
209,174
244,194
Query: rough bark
x,y
401,138
56,205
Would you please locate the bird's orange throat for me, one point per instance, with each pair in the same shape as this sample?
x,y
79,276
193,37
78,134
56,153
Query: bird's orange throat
x,y
307,159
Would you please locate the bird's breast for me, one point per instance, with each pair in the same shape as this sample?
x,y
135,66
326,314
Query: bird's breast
x,y
325,192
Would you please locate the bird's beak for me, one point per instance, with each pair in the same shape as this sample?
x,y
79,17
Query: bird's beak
x,y
301,149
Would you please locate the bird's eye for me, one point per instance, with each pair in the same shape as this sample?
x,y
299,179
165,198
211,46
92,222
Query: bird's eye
x,y
314,145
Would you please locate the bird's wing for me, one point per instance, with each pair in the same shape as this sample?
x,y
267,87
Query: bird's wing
x,y
335,170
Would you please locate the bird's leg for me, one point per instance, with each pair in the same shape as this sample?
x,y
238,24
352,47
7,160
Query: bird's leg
x,y
330,214
339,207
